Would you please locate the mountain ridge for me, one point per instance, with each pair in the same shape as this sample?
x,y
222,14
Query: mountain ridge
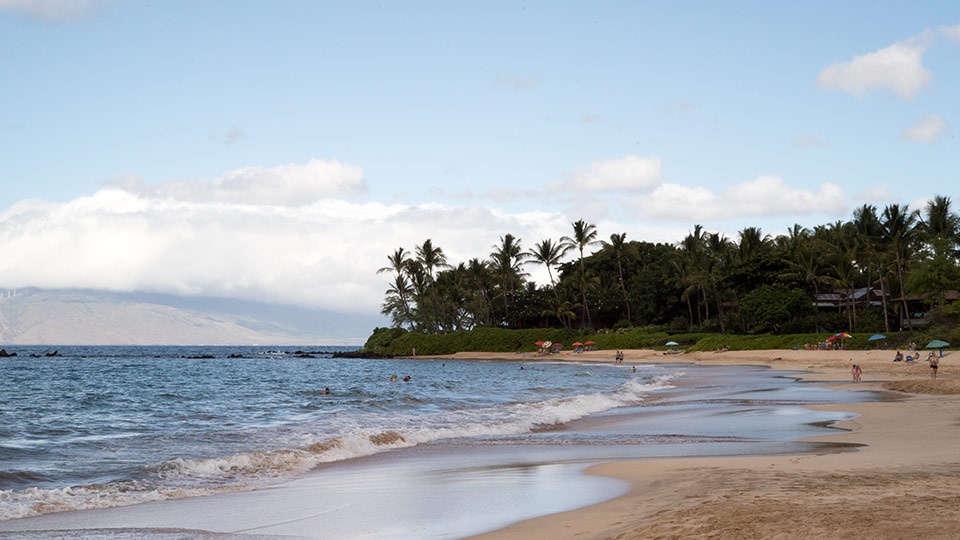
x,y
34,316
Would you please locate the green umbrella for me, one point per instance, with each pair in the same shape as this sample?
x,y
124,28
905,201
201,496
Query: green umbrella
x,y
938,344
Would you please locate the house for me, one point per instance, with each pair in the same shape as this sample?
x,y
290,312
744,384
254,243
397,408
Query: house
x,y
840,299
919,306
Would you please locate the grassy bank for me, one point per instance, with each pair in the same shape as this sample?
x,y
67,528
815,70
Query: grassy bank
x,y
398,342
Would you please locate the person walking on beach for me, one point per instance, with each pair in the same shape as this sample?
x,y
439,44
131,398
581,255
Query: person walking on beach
x,y
934,363
856,372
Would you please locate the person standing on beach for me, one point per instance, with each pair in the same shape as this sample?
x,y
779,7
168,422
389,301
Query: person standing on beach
x,y
934,363
856,372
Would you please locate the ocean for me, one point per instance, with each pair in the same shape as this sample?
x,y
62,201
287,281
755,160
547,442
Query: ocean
x,y
86,428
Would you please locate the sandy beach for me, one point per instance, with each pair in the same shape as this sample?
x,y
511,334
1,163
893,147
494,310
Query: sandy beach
x,y
904,483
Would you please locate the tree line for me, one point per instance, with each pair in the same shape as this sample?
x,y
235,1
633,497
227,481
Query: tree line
x,y
706,282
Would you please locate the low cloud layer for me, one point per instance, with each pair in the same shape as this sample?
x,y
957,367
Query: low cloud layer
x,y
292,235
757,198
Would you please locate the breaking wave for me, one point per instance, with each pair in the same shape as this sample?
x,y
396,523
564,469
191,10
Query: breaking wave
x,y
181,477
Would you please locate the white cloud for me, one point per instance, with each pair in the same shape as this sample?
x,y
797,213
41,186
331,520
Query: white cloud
x,y
288,185
929,130
325,253
761,197
951,32
808,141
878,194
631,173
321,255
53,10
897,68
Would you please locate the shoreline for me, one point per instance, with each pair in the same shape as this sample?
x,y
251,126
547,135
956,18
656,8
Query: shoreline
x,y
903,483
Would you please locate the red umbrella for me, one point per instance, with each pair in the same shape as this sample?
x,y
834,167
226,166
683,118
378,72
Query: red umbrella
x,y
538,343
590,343
576,344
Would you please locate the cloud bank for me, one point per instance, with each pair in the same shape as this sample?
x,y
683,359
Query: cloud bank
x,y
295,234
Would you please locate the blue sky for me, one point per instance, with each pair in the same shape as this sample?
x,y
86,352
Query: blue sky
x,y
279,151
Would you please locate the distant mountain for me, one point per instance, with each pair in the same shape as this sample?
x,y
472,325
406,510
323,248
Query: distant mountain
x,y
88,317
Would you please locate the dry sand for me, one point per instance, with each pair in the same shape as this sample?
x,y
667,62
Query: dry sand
x,y
904,483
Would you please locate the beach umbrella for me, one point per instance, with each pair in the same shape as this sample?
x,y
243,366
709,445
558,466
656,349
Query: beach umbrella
x,y
672,343
546,344
938,344
576,344
538,342
876,337
590,343
841,336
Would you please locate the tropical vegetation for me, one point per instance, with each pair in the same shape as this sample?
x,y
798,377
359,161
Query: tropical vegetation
x,y
753,284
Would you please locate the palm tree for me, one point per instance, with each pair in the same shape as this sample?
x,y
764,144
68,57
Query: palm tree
x,y
753,243
563,311
618,243
431,258
548,254
396,303
481,278
805,266
898,227
719,257
693,251
937,270
506,262
940,222
789,242
398,261
868,231
584,235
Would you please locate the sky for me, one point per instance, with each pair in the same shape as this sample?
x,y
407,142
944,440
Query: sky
x,y
280,151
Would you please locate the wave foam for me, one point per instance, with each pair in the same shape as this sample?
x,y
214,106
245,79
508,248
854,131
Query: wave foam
x,y
180,478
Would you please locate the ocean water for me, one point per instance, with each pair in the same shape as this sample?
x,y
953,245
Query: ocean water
x,y
100,427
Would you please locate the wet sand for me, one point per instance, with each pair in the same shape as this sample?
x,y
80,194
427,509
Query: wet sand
x,y
905,483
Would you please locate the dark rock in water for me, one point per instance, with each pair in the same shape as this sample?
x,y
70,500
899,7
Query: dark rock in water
x,y
360,354
200,357
52,354
235,355
5,354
